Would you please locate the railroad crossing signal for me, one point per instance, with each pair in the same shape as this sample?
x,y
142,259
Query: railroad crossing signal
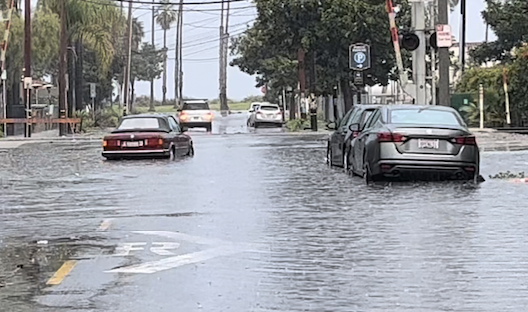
x,y
359,56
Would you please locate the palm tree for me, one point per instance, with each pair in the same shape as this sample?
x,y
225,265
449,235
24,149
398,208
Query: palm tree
x,y
89,25
137,36
165,18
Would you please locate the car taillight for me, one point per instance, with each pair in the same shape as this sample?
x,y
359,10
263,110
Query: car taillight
x,y
208,116
259,113
390,137
111,143
183,115
279,113
469,140
154,142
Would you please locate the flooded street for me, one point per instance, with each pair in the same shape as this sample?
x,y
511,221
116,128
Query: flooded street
x,y
256,221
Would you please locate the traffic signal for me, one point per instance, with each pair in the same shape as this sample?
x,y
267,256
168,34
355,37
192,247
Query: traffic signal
x,y
409,41
432,41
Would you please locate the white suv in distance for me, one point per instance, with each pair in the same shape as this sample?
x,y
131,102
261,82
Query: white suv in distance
x,y
196,114
266,114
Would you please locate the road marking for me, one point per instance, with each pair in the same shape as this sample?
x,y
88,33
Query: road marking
x,y
126,248
105,225
174,262
64,270
184,237
163,248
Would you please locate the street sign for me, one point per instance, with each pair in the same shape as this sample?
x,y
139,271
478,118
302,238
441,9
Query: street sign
x,y
92,90
358,78
444,39
359,56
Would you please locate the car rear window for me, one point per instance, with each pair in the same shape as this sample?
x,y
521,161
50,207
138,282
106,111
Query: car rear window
x,y
139,123
424,117
269,108
195,106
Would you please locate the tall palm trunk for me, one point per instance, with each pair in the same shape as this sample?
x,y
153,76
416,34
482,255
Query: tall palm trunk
x,y
79,78
164,68
70,95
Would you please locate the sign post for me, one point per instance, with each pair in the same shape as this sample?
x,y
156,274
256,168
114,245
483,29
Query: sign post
x,y
93,94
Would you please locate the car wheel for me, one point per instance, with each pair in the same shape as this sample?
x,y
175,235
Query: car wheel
x,y
209,128
345,162
190,153
172,154
329,156
255,125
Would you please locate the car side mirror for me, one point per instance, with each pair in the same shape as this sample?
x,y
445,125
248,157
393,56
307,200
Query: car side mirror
x,y
184,129
251,110
331,126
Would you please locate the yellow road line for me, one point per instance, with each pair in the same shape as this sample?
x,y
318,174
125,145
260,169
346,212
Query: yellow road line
x,y
64,270
105,225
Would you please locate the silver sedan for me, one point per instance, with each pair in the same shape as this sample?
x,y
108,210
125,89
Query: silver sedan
x,y
410,139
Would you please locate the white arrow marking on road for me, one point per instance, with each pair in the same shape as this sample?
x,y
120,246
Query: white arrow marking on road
x,y
126,248
174,262
184,237
163,248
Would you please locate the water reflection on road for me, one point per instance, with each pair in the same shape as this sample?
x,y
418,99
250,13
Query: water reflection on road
x,y
324,241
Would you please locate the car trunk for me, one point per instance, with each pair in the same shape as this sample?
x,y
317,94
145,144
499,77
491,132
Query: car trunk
x,y
420,139
134,139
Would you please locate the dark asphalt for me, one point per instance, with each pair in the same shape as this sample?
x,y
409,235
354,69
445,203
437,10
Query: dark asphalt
x,y
254,222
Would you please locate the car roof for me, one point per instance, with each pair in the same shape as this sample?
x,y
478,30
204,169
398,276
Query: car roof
x,y
195,101
415,106
146,115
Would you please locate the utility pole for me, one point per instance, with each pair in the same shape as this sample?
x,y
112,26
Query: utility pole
x,y
224,57
2,59
222,82
463,35
27,64
432,21
418,55
126,108
443,58
302,81
153,28
63,50
180,70
177,62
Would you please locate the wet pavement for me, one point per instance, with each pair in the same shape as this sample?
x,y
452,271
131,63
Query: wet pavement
x,y
254,222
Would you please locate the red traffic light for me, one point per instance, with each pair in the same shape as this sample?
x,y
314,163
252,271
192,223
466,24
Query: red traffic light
x,y
409,41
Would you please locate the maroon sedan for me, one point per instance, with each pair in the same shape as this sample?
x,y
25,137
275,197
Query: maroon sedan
x,y
148,136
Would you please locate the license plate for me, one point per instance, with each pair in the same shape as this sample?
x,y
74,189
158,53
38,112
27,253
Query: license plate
x,y
196,118
428,144
270,116
133,144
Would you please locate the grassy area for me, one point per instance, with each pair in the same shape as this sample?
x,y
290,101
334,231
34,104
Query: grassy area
x,y
216,106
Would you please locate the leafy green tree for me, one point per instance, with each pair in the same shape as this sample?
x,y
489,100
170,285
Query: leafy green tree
x,y
45,42
324,30
147,64
166,16
508,20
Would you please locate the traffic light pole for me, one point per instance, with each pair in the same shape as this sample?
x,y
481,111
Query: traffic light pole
x,y
418,55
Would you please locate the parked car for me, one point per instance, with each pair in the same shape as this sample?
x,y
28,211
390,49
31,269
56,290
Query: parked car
x,y
340,140
196,114
401,140
266,114
148,135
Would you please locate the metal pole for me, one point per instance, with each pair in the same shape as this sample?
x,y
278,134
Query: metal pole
x,y
444,96
153,26
481,106
126,108
418,59
177,61
27,62
463,36
507,99
63,50
224,57
283,104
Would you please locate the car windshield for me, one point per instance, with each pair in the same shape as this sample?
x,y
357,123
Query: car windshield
x,y
269,108
196,106
424,117
139,123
